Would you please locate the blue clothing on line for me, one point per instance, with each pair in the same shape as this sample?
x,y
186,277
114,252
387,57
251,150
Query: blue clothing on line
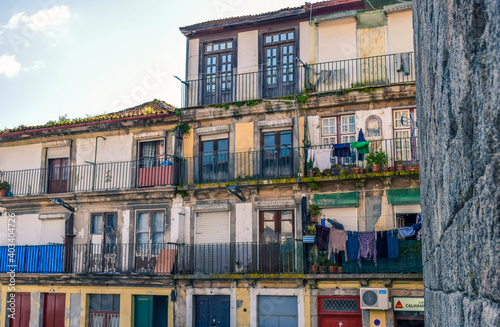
x,y
342,150
352,245
335,224
406,231
392,244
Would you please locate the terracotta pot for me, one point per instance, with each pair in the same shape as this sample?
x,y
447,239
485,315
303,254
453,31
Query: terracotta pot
x,y
400,167
386,169
408,168
339,270
310,173
313,269
376,167
361,170
355,170
3,193
331,269
415,167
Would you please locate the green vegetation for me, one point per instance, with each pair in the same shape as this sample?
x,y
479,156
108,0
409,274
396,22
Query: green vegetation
x,y
185,128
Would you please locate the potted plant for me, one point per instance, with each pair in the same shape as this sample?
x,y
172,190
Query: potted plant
x,y
415,166
309,234
371,161
325,172
4,188
399,166
339,269
344,172
310,167
322,261
316,171
332,267
335,170
314,211
312,261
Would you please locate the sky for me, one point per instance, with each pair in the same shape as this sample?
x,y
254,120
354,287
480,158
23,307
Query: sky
x,y
80,58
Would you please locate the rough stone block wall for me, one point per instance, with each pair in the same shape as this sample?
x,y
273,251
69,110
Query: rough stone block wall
x,y
457,46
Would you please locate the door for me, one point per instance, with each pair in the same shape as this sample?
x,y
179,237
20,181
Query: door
x,y
276,241
23,310
278,311
150,311
279,67
150,236
212,250
214,161
339,311
54,309
212,311
218,74
58,175
103,247
277,155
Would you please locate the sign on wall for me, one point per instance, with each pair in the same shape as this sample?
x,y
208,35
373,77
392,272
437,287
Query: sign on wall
x,y
408,303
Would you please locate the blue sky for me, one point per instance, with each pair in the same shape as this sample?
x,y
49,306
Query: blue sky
x,y
89,57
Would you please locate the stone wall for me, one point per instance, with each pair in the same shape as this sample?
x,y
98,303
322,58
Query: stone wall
x,y
457,47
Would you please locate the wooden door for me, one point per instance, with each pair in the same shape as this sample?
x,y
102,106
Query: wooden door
x,y
23,309
53,309
58,175
277,229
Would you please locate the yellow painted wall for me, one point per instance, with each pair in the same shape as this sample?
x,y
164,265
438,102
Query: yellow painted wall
x,y
376,284
377,314
307,308
339,285
242,317
243,137
408,285
371,41
188,145
126,299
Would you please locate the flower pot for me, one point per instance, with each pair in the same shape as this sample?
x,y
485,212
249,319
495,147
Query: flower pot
x,y
386,169
313,269
376,167
400,167
355,170
361,171
3,193
339,269
408,168
310,173
322,269
415,167
308,239
331,269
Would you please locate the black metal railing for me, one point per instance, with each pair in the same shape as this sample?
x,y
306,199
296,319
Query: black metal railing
x,y
409,260
319,77
94,177
223,166
155,259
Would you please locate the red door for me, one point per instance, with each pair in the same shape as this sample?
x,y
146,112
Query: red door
x,y
22,310
58,175
339,311
53,310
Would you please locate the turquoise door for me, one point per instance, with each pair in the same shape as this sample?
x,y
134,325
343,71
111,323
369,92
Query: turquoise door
x,y
143,311
151,311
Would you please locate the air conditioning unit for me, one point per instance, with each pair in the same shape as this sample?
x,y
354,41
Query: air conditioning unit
x,y
375,299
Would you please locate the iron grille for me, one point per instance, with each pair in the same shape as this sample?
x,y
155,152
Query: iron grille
x,y
340,305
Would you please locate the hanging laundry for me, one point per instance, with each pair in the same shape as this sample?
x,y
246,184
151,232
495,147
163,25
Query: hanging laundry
x,y
338,242
322,237
381,245
361,138
406,231
367,247
361,146
335,224
392,244
342,150
352,245
322,159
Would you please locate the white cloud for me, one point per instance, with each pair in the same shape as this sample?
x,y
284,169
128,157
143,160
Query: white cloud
x,y
40,20
10,67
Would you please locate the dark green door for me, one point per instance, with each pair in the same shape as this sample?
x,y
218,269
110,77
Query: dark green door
x,y
151,311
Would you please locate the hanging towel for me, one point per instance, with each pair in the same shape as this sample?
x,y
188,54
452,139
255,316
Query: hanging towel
x,y
406,231
381,245
335,224
392,244
342,150
352,245
338,242
322,237
361,146
322,159
367,247
310,156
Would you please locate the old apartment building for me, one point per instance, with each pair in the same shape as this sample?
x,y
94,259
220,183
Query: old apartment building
x,y
290,119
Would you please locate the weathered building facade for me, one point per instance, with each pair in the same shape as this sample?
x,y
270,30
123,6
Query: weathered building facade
x,y
207,226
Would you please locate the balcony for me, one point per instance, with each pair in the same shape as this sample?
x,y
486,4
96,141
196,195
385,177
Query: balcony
x,y
156,259
90,177
320,77
408,261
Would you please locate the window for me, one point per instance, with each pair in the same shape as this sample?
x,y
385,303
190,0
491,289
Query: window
x,y
277,229
151,153
373,125
104,226
104,310
150,231
214,160
339,129
329,130
218,61
405,141
279,63
277,154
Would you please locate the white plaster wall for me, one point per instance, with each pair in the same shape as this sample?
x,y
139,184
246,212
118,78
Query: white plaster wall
x,y
384,114
337,39
187,225
400,32
248,56
243,222
21,157
113,149
177,218
28,229
126,226
193,58
314,129
304,42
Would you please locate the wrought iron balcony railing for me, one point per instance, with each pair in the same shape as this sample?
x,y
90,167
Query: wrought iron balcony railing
x,y
273,82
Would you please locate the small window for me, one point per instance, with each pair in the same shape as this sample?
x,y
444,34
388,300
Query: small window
x,y
401,123
348,124
329,126
373,127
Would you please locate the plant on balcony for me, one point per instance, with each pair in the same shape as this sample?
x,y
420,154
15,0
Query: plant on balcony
x,y
184,127
311,230
312,261
322,261
344,172
313,186
310,168
335,170
400,166
316,171
325,172
4,188
313,211
332,267
381,158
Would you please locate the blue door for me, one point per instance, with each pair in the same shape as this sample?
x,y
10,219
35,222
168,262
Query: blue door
x,y
212,311
278,311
